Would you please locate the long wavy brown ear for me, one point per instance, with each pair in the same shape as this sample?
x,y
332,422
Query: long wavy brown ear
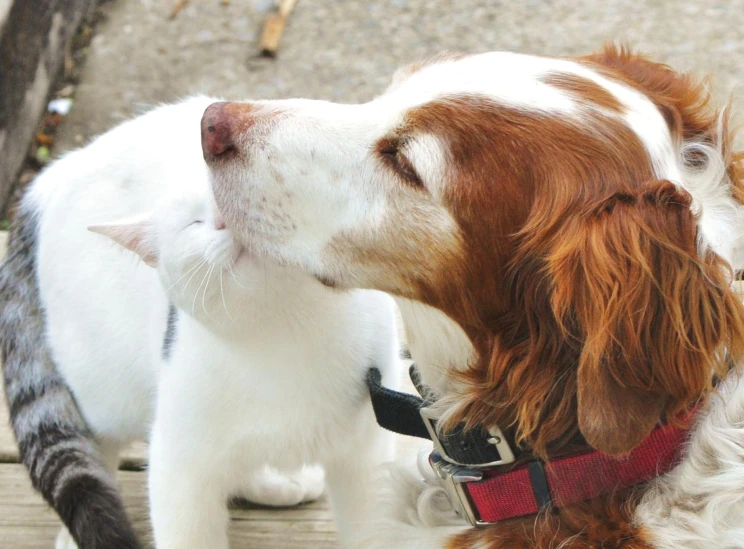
x,y
652,314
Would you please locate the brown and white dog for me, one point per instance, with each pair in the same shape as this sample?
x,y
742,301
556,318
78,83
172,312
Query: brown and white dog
x,y
562,234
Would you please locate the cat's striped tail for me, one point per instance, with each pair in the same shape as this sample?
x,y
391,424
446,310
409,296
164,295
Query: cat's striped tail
x,y
55,443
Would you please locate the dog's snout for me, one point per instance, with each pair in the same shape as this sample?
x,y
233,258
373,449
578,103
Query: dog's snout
x,y
221,126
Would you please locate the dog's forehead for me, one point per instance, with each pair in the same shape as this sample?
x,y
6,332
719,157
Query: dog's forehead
x,y
509,78
564,88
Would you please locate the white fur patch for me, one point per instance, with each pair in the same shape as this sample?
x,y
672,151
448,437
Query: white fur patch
x,y
428,155
509,78
700,503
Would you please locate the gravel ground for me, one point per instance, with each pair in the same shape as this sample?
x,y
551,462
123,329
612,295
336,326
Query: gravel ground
x,y
346,50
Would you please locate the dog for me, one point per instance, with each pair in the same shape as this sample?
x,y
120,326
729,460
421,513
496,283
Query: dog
x,y
562,235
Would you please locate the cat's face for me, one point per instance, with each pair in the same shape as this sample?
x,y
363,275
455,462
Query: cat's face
x,y
202,269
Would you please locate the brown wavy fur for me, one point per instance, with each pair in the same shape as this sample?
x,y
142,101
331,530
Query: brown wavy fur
x,y
601,314
683,99
585,294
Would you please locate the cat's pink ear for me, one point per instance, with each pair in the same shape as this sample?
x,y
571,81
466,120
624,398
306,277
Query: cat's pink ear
x,y
133,235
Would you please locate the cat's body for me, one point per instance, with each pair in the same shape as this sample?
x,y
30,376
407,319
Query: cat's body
x,y
263,365
296,376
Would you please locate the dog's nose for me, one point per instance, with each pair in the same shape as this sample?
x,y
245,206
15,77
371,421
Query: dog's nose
x,y
216,130
221,126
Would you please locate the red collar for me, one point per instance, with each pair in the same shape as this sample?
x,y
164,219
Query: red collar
x,y
474,464
528,488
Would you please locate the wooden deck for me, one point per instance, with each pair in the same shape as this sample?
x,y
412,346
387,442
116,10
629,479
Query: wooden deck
x,y
26,522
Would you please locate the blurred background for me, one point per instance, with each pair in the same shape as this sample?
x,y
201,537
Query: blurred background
x,y
128,55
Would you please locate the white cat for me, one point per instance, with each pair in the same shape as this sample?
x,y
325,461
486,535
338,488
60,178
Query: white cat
x,y
259,365
266,365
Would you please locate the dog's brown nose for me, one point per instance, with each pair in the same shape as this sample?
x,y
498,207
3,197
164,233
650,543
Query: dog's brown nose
x,y
216,132
221,125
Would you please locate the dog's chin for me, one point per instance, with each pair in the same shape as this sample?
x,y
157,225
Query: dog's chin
x,y
259,243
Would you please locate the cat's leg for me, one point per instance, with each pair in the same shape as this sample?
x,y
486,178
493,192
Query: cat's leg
x,y
110,453
267,486
188,483
352,480
187,496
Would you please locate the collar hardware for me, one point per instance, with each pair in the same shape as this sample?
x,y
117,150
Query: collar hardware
x,y
475,448
470,462
454,477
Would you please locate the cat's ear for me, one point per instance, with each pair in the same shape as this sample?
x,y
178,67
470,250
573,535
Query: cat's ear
x,y
135,235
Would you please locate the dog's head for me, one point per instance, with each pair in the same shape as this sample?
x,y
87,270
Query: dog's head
x,y
577,218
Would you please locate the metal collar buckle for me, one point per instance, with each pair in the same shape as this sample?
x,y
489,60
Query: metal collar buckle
x,y
497,438
453,477
455,474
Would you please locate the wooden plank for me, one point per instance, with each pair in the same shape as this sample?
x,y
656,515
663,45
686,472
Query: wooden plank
x,y
26,522
35,37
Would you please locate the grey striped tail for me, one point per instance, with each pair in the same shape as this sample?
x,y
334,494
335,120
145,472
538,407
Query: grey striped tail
x,y
55,443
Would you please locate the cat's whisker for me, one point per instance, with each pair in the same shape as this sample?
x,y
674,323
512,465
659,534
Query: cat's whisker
x,y
196,293
206,286
192,254
222,293
230,265
193,270
169,288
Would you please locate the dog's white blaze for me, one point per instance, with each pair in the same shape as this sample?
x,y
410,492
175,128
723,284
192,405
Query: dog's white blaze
x,y
509,78
427,154
645,119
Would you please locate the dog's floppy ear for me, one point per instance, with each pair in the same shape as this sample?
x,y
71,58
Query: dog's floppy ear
x,y
650,312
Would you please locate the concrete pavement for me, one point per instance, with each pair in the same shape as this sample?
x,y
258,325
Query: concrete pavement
x,y
346,50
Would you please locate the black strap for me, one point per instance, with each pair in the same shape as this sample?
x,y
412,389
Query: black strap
x,y
399,412
539,482
396,412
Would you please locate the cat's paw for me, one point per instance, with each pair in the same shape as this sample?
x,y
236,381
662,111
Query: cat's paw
x,y
275,489
64,540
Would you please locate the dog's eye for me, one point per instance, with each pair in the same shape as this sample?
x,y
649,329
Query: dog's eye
x,y
398,161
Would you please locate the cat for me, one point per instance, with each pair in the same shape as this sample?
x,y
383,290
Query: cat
x,y
258,372
243,363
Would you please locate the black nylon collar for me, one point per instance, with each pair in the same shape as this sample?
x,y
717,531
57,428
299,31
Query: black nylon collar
x,y
400,413
395,411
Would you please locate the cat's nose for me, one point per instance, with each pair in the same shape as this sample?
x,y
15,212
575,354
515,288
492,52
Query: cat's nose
x,y
221,126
